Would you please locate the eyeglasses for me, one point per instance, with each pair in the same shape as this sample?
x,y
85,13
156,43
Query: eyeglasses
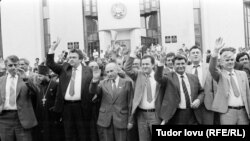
x,y
11,65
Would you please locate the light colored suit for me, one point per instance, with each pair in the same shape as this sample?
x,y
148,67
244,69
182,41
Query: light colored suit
x,y
115,108
204,72
25,110
220,102
140,84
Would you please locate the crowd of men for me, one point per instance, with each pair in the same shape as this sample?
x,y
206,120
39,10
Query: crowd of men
x,y
120,96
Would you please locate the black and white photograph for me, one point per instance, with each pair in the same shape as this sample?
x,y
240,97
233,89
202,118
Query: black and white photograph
x,y
124,70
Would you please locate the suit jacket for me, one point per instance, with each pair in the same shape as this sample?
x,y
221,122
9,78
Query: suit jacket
x,y
204,72
24,92
115,105
171,98
220,102
64,72
140,80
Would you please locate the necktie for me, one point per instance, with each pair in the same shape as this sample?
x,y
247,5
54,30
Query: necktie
x,y
72,83
196,70
114,85
234,86
149,91
12,99
185,92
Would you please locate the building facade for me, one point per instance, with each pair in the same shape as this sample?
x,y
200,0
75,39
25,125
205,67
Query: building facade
x,y
29,26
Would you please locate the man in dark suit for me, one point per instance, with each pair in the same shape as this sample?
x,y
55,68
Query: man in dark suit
x,y
114,113
146,97
73,98
183,94
16,112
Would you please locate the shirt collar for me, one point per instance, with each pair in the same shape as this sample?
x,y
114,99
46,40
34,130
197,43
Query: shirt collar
x,y
199,65
9,76
179,76
233,72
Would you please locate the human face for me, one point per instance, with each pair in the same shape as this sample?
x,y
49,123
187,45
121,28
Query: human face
x,y
147,66
111,71
94,66
23,65
227,60
119,63
244,60
136,64
195,55
11,67
169,62
74,60
41,78
180,66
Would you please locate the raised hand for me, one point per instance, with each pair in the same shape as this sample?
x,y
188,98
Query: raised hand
x,y
219,44
55,44
96,75
162,57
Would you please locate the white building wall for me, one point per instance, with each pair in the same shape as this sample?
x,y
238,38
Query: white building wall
x,y
66,22
126,27
177,19
222,18
21,28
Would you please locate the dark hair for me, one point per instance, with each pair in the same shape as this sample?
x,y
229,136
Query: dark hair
x,y
27,62
79,52
12,58
150,57
179,57
195,47
170,54
239,55
208,51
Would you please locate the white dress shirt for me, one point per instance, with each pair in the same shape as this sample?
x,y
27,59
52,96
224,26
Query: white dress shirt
x,y
78,85
199,69
116,82
7,106
144,104
182,104
233,100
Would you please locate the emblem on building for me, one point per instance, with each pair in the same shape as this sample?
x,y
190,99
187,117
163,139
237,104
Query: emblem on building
x,y
118,10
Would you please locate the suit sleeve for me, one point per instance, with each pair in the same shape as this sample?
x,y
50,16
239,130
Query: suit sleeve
x,y
95,87
128,68
246,68
214,71
52,65
201,93
159,77
130,100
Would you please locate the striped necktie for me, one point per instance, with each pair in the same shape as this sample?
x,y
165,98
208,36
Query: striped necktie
x,y
184,87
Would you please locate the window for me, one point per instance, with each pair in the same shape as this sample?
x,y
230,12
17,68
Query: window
x,y
247,22
197,24
150,22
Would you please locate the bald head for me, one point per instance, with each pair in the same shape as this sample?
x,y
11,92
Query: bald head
x,y
111,70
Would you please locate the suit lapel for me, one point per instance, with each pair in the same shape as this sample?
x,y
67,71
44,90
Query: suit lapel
x,y
240,83
176,81
3,87
84,72
108,88
117,92
18,86
67,80
192,86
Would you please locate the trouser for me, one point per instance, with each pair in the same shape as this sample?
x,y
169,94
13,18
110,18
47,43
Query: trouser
x,y
11,128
